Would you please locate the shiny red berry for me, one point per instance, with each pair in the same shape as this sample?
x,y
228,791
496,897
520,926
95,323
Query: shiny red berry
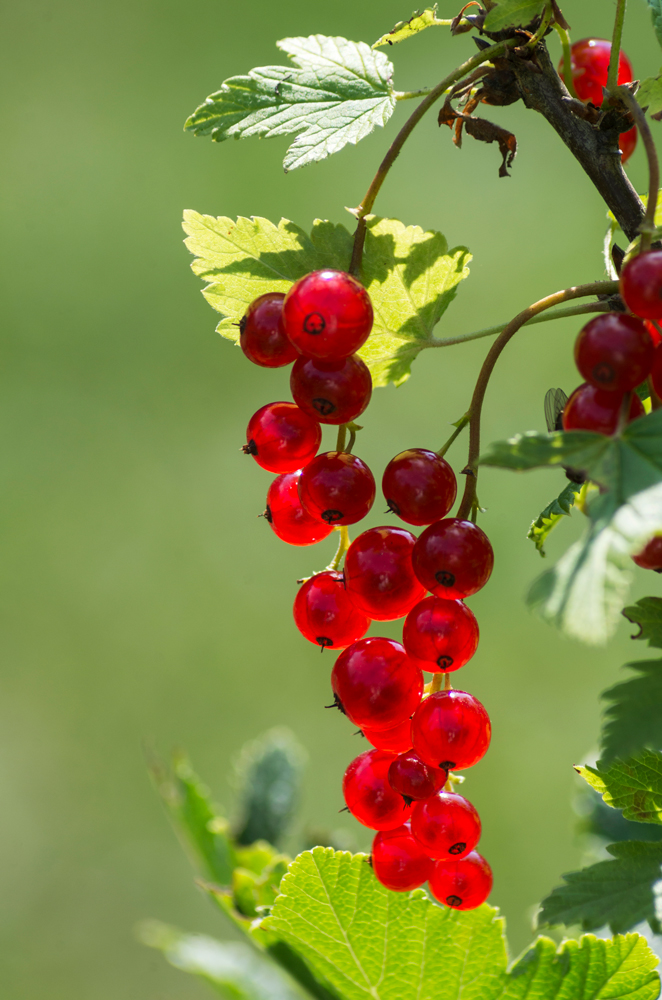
x,y
395,740
591,409
440,635
262,334
333,392
399,861
451,730
446,825
413,779
419,486
376,684
287,517
324,614
337,488
463,884
378,573
641,285
328,314
282,438
650,556
453,558
368,795
614,352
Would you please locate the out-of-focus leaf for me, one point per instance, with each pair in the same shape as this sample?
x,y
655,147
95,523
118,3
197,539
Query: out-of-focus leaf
x,y
647,614
649,94
406,29
633,718
513,13
268,779
634,785
546,521
600,820
656,14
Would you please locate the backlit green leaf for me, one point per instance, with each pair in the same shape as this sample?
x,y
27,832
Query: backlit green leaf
x,y
268,778
634,785
647,614
508,13
649,94
656,14
552,514
419,21
633,718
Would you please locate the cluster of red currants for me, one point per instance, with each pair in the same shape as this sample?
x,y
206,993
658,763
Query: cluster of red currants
x,y
420,733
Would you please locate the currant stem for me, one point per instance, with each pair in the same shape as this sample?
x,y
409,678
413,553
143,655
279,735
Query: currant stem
x,y
647,227
461,424
544,25
437,683
342,437
567,61
612,75
343,545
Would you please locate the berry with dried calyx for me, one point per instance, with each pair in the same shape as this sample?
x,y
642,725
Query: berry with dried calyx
x,y
262,334
333,392
463,884
399,861
368,795
376,684
379,575
453,558
337,488
451,730
419,486
327,314
440,635
446,825
282,438
324,613
414,779
287,517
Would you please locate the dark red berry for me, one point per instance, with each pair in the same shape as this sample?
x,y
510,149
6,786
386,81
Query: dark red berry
x,y
286,515
650,557
376,683
282,438
368,795
262,334
328,314
395,740
324,614
378,573
654,331
413,779
446,825
399,861
451,730
419,486
337,488
614,352
641,285
591,409
627,143
440,635
463,884
453,558
333,392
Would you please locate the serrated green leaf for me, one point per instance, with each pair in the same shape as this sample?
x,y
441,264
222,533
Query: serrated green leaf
x,y
600,820
411,276
510,13
546,522
647,614
419,21
656,15
649,94
633,718
634,785
268,777
335,93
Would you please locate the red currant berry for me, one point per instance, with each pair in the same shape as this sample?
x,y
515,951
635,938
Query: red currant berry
x,y
627,143
379,575
453,558
419,486
286,515
399,861
590,67
262,334
650,557
328,314
337,488
654,331
395,740
614,352
324,614
440,635
333,392
463,884
641,284
591,409
376,683
413,779
451,730
368,795
282,438
446,825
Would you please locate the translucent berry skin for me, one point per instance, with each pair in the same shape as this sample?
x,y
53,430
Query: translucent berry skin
x,y
419,486
463,884
440,635
395,740
446,825
453,558
650,557
399,861
262,333
333,392
368,795
413,779
641,285
376,683
287,517
379,575
591,409
282,438
327,314
337,488
451,730
325,615
656,336
614,352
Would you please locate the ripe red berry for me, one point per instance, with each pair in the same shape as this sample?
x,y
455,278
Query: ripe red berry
x,y
378,573
650,556
591,409
446,825
451,730
333,392
453,558
286,515
440,635
376,683
337,488
282,438
262,334
654,331
368,795
399,861
463,884
395,740
627,143
419,486
328,314
413,779
641,284
324,614
615,352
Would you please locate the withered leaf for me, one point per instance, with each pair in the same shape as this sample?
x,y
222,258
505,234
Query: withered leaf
x,y
482,130
558,16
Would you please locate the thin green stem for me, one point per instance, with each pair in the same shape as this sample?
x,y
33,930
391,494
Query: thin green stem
x,y
352,428
408,95
342,437
647,227
343,545
544,25
612,75
461,424
567,61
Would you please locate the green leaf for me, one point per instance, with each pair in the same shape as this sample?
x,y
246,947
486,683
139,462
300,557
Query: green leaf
x,y
633,718
634,785
649,94
411,276
509,13
419,21
268,776
656,14
546,522
335,93
647,614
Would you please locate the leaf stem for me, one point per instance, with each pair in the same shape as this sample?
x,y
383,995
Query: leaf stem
x,y
408,95
459,427
647,227
567,61
547,15
612,75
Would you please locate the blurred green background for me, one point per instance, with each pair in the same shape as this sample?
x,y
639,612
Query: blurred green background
x,y
141,597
